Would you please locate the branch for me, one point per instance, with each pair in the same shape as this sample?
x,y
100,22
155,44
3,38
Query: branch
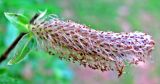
x,y
11,47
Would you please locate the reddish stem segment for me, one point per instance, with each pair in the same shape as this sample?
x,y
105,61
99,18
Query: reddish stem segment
x,y
11,47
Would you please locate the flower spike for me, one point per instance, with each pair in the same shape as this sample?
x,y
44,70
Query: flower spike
x,y
105,51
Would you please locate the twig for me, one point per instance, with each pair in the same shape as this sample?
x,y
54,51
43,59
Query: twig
x,y
11,47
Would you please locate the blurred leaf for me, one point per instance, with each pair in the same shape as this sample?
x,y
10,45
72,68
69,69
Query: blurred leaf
x,y
19,20
3,70
61,71
24,46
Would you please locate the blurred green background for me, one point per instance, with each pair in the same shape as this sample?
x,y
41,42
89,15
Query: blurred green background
x,y
106,15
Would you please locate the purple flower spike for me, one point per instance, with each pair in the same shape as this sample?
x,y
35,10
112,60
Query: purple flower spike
x,y
105,51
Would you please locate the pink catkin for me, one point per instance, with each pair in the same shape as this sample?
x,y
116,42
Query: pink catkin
x,y
105,51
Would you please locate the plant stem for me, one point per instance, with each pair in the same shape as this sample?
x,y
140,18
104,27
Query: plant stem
x,y
11,47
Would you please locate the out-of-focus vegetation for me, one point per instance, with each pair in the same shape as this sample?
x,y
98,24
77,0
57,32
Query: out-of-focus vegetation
x,y
106,15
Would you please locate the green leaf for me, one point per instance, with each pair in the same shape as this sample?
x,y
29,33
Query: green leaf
x,y
19,20
25,45
42,14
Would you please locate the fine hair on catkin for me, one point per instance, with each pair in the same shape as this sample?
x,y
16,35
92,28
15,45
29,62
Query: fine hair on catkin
x,y
105,51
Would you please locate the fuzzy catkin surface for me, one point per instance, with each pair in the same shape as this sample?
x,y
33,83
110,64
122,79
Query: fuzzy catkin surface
x,y
105,51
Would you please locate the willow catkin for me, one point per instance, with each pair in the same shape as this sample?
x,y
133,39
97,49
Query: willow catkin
x,y
105,51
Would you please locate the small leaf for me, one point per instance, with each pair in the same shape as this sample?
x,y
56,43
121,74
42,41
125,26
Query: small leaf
x,y
24,46
41,15
19,20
